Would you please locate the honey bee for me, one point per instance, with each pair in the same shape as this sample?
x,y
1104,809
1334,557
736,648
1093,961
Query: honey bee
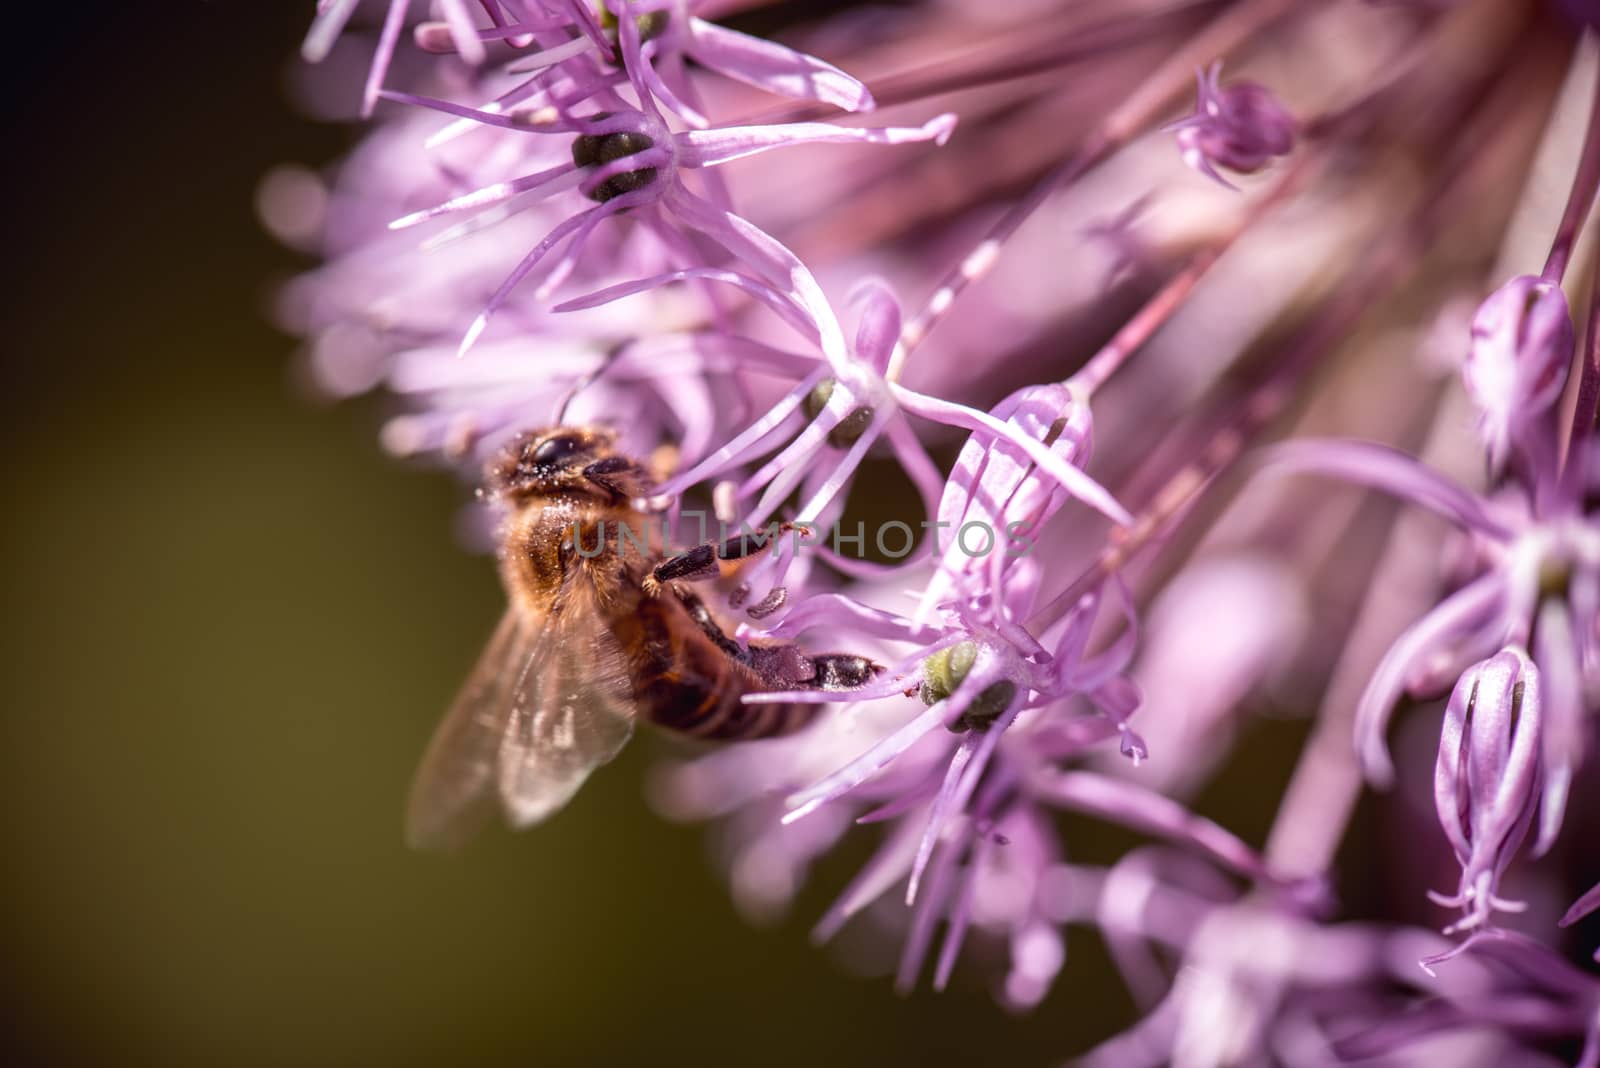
x,y
596,635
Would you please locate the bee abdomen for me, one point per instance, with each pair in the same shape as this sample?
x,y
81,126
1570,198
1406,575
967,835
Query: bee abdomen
x,y
715,709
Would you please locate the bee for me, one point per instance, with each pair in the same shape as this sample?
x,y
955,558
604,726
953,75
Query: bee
x,y
597,634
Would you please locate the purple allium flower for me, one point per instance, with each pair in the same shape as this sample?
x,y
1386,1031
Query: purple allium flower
x,y
743,327
626,158
661,34
1535,577
1242,127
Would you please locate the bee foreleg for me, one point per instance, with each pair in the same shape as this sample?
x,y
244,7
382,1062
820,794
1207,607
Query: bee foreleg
x,y
704,561
619,475
842,671
698,563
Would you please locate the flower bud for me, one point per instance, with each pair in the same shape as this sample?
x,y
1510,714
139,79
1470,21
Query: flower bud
x,y
1486,782
1242,127
1516,367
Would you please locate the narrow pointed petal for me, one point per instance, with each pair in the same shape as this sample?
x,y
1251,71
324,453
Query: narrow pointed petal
x,y
770,66
1394,472
1073,480
709,148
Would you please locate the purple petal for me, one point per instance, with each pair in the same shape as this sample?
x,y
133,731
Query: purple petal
x,y
879,328
925,918
488,195
758,248
710,148
1586,904
393,22
1073,480
1447,773
840,612
1453,619
916,463
943,803
578,229
770,66
839,475
960,916
753,440
1564,735
1145,810
750,286
459,18
865,766
328,25
1390,470
887,867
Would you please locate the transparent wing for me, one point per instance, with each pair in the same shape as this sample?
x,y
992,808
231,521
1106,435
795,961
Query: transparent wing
x,y
452,795
572,710
548,702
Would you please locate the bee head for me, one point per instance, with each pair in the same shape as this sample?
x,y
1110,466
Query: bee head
x,y
547,461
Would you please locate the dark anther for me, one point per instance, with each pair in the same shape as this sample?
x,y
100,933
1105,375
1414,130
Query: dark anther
x,y
817,399
986,707
850,428
592,150
651,24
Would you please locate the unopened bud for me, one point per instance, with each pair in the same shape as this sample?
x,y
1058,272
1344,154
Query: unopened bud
x,y
1516,367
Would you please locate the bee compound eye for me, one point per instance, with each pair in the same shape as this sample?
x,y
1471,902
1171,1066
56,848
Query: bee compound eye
x,y
552,451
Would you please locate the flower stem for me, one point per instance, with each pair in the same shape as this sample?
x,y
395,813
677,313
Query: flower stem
x,y
1576,461
1580,198
1004,60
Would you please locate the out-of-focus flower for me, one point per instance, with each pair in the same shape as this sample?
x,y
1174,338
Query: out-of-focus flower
x,y
1539,579
1223,629
1517,364
1242,127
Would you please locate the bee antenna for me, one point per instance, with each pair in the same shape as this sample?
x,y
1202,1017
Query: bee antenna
x,y
587,380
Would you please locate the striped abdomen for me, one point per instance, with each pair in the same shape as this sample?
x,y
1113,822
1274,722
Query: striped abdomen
x,y
690,677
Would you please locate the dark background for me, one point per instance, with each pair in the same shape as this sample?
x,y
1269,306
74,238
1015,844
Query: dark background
x,y
231,624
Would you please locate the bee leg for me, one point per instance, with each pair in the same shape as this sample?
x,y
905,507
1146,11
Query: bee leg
x,y
698,563
619,475
705,561
842,671
707,623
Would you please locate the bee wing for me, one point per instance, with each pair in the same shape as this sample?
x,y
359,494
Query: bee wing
x,y
572,710
549,701
452,795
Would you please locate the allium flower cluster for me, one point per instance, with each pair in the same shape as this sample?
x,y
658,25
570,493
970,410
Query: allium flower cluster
x,y
1011,372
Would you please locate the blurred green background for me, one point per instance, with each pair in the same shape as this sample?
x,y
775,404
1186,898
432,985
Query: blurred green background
x,y
232,623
